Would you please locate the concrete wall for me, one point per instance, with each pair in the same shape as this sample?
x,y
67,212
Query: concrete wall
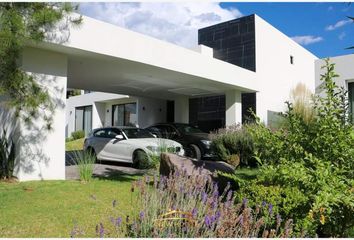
x,y
275,75
41,152
344,67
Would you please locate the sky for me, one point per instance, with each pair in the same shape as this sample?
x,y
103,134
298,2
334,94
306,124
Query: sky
x,y
322,28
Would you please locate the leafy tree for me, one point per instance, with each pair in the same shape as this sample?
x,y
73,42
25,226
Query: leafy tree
x,y
307,171
20,24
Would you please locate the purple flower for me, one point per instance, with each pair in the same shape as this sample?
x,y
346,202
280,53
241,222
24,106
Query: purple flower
x,y
141,215
119,221
214,203
264,203
216,193
194,212
270,208
229,195
114,203
207,221
217,215
204,197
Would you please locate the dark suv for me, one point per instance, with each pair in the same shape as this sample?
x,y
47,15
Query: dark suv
x,y
195,142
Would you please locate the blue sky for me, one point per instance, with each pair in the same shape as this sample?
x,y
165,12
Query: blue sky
x,y
308,19
322,28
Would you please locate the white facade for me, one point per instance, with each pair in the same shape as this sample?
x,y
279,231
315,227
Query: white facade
x,y
343,67
276,76
148,72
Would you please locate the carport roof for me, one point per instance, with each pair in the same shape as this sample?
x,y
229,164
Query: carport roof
x,y
104,57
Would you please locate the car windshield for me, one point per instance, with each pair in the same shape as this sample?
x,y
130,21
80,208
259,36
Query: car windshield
x,y
184,128
137,133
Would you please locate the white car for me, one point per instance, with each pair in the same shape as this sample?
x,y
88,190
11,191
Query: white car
x,y
127,144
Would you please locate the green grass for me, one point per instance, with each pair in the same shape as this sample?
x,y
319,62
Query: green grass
x,y
75,145
51,208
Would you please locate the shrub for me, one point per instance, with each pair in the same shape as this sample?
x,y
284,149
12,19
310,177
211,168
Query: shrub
x,y
182,206
86,163
7,155
307,170
234,145
77,135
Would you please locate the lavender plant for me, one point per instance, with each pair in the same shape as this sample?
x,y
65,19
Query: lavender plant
x,y
191,206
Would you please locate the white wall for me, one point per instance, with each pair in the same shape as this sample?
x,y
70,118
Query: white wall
x,y
151,111
344,67
91,99
275,75
41,153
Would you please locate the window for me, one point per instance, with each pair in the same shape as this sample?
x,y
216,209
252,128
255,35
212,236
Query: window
x,y
351,101
83,119
124,114
291,59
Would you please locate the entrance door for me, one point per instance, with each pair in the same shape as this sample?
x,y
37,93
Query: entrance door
x,y
170,113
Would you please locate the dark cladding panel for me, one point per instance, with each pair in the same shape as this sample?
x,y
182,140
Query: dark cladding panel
x,y
232,41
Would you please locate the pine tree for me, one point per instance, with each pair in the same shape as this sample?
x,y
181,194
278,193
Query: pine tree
x,y
22,23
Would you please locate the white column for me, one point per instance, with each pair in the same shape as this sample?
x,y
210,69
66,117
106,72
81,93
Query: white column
x,y
182,109
41,153
233,107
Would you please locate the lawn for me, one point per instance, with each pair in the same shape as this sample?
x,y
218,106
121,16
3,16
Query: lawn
x,y
51,208
74,145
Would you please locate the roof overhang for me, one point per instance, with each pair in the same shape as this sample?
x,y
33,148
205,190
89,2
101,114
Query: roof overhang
x,y
104,57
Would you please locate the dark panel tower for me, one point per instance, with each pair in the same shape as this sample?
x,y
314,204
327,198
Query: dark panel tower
x,y
232,41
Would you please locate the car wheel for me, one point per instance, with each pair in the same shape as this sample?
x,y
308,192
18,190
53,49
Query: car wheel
x,y
194,152
140,159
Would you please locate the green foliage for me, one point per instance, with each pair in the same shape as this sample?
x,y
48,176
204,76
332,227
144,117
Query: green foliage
x,y
20,24
7,155
235,146
86,163
307,169
77,134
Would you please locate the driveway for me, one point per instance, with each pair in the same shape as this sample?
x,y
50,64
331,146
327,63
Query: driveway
x,y
105,169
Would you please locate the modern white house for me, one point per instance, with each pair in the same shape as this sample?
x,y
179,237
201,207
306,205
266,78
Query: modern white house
x,y
135,79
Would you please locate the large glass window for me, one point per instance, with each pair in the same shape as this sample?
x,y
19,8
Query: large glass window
x,y
124,114
351,100
83,119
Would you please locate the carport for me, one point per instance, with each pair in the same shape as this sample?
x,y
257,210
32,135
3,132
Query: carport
x,y
102,57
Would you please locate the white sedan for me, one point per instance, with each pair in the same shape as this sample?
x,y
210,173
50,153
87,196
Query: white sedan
x,y
127,144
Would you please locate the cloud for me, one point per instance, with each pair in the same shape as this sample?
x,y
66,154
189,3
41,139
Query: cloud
x,y
306,40
338,25
177,23
342,36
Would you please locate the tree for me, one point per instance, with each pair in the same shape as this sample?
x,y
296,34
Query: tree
x,y
20,24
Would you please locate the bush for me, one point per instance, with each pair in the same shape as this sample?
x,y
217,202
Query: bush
x,y
186,207
77,135
7,155
235,146
308,165
86,163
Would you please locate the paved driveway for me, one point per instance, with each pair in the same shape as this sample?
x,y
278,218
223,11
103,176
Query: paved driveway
x,y
106,169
